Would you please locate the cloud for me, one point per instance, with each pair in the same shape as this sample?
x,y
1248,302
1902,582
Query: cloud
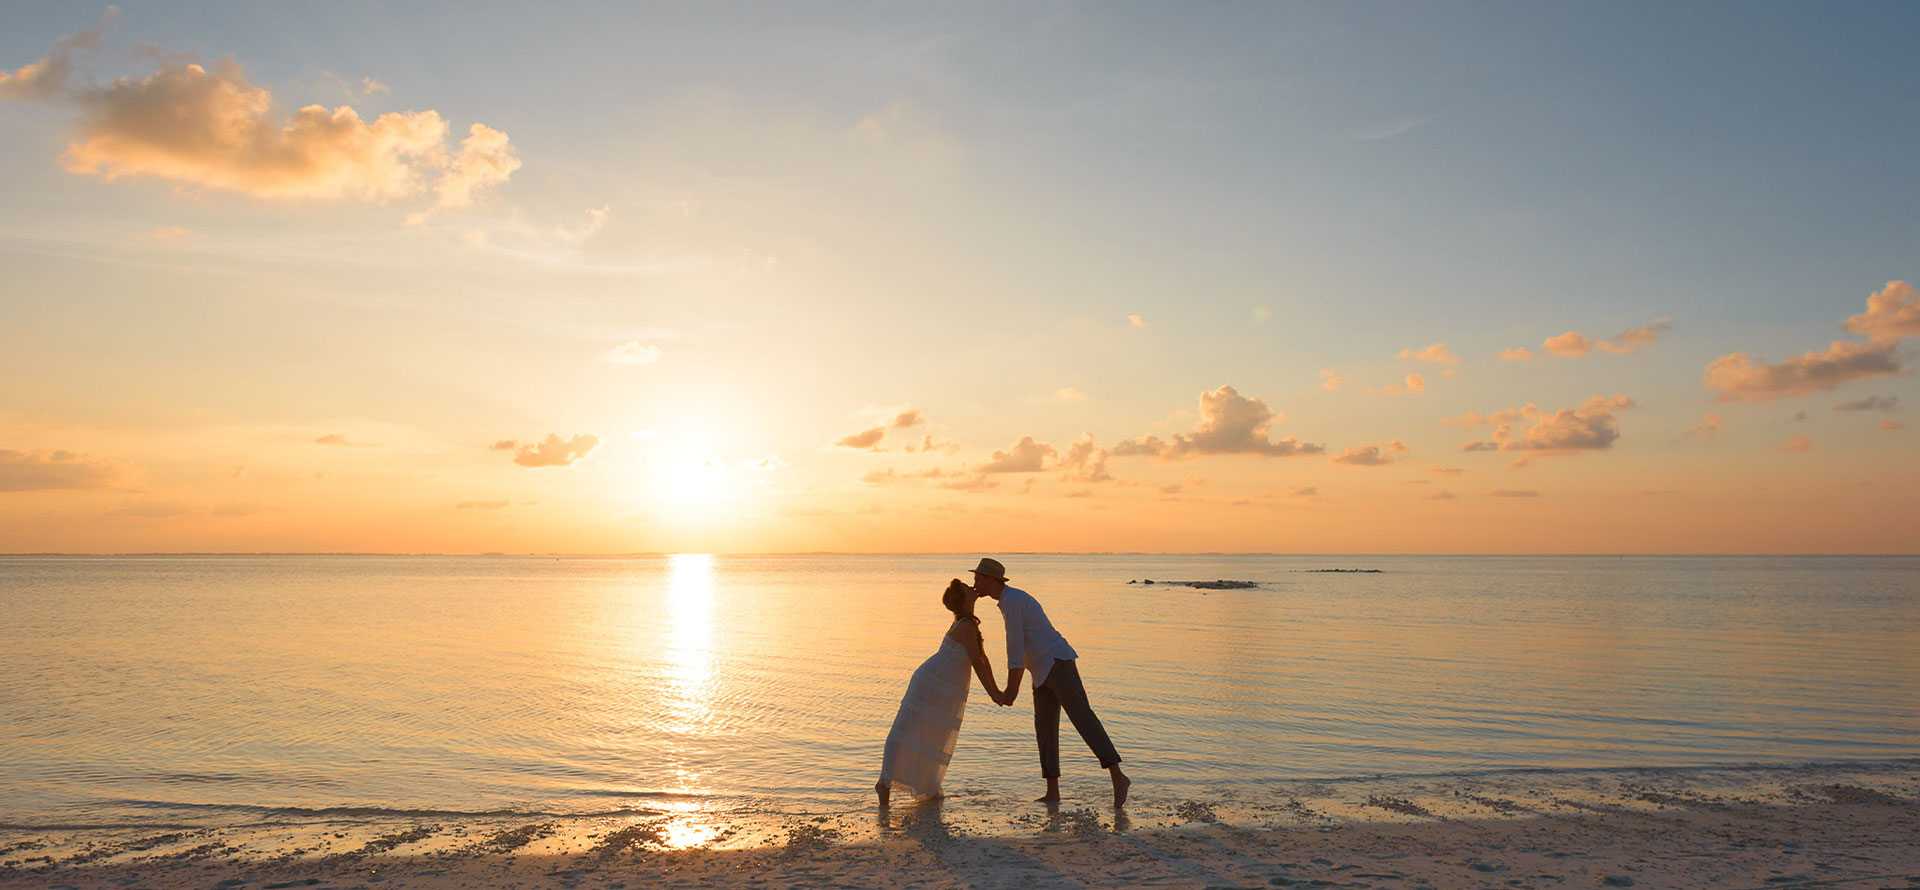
x,y
633,352
1136,321
1709,427
554,451
1870,403
1891,425
1079,493
341,440
1569,344
869,439
1069,394
596,220
1085,462
46,79
1329,380
866,440
503,445
1378,455
765,464
1572,343
1413,383
54,471
1516,354
1737,378
209,127
1438,496
1802,442
975,484
1439,470
1893,312
1229,424
485,160
480,505
1026,456
1631,339
1590,427
929,444
1302,491
1513,493
369,86
1434,353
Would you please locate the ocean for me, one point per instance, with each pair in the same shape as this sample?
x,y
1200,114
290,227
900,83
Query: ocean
x,y
188,690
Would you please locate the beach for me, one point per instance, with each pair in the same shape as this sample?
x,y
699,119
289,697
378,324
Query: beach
x,y
1828,826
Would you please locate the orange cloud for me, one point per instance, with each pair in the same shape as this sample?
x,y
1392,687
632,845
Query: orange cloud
x,y
47,78
1569,344
1513,493
1591,427
1378,455
1329,380
1085,461
1413,383
1026,456
1802,442
189,124
1709,425
867,440
554,451
1893,312
54,471
341,439
1438,496
1737,378
1573,344
1891,425
1516,354
1434,353
1229,424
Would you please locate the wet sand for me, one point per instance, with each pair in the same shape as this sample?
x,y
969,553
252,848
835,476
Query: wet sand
x,y
1828,827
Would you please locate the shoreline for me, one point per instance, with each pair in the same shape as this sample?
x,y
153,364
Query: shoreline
x,y
1844,825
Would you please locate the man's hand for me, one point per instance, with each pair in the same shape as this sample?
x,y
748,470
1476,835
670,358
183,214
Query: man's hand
x,y
1007,698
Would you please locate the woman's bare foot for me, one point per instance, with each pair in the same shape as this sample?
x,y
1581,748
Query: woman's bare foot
x,y
1053,792
1120,785
884,790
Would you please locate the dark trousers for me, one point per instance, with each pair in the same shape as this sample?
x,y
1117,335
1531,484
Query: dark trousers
x,y
1063,689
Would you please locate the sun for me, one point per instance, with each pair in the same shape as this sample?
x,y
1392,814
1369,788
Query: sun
x,y
691,479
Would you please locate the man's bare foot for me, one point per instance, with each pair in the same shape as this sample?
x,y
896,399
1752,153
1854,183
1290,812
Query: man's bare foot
x,y
884,790
1053,792
1120,785
1053,797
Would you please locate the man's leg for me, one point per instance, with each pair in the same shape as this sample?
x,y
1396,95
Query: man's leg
x,y
1063,681
1046,731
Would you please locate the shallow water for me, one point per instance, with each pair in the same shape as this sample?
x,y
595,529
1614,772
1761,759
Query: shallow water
x,y
198,689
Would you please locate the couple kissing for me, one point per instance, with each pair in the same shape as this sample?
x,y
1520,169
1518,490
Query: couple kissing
x,y
927,727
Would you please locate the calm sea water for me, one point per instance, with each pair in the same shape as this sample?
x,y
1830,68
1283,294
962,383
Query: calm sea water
x,y
184,688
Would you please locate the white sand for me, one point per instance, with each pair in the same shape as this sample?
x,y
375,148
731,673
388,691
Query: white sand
x,y
1828,828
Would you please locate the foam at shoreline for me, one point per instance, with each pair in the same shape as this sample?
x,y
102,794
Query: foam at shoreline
x,y
975,838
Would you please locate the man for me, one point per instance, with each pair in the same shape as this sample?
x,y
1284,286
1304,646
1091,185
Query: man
x,y
1032,643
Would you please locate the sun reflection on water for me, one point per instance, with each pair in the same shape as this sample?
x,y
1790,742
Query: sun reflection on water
x,y
689,645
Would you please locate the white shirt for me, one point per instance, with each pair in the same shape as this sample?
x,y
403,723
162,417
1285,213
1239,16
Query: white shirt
x,y
1032,643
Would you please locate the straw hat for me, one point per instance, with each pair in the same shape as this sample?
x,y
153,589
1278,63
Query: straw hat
x,y
991,568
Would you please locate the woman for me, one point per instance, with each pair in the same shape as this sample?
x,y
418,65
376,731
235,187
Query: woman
x,y
924,732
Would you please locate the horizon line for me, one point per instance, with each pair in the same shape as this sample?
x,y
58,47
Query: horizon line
x,y
656,553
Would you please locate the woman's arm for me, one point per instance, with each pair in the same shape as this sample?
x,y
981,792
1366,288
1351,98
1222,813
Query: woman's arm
x,y
977,654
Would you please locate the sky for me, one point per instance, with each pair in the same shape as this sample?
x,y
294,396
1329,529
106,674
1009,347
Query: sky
x,y
852,277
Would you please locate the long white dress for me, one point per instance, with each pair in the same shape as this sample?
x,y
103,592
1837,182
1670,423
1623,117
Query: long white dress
x,y
920,745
